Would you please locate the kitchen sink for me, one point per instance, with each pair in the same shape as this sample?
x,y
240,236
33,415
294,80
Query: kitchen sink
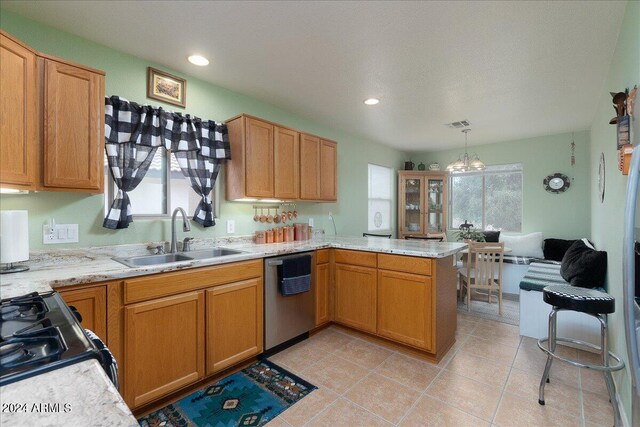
x,y
140,261
212,253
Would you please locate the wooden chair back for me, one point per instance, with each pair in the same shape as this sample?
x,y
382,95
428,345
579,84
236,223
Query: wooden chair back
x,y
486,260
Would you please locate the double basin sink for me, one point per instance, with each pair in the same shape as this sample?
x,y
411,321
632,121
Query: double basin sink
x,y
140,261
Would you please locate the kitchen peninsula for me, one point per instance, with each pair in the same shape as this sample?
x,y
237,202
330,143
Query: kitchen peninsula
x,y
401,293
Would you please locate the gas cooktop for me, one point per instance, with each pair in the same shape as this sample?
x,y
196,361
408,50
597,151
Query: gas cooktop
x,y
39,333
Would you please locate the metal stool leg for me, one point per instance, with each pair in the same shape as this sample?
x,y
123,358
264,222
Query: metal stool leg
x,y
552,347
608,377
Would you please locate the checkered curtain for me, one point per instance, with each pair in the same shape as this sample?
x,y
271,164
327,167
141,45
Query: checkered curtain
x,y
133,133
200,147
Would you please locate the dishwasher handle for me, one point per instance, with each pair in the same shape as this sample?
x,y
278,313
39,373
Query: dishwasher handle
x,y
274,263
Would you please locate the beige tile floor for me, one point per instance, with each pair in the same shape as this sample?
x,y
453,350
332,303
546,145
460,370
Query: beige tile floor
x,y
489,378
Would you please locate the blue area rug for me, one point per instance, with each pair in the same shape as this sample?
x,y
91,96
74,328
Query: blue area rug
x,y
251,397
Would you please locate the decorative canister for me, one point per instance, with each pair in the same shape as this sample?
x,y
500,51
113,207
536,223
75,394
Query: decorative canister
x,y
260,237
297,231
291,233
269,236
305,232
278,234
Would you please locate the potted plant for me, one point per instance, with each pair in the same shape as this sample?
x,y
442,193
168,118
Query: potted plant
x,y
469,234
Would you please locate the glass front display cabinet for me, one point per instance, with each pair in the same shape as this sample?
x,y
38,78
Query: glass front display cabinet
x,y
422,204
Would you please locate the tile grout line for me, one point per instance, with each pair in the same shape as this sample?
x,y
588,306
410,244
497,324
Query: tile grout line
x,y
504,387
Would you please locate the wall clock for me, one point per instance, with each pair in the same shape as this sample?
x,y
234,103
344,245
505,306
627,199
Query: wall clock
x,y
601,178
556,183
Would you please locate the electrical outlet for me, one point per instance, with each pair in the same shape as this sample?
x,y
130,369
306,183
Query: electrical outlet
x,y
310,222
330,214
53,233
231,226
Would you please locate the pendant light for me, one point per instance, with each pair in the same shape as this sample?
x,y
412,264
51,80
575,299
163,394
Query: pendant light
x,y
465,163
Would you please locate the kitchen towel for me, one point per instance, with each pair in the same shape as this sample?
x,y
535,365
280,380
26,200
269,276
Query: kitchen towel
x,y
294,275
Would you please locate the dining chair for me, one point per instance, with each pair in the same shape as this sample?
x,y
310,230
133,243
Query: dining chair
x,y
482,271
388,236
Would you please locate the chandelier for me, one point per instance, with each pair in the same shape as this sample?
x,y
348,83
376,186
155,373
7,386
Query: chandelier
x,y
466,163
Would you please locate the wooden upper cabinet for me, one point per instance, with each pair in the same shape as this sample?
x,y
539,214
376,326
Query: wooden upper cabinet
x,y
328,170
273,161
18,115
286,164
259,158
73,114
309,167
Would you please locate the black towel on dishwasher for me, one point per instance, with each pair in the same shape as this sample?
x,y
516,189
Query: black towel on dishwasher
x,y
294,275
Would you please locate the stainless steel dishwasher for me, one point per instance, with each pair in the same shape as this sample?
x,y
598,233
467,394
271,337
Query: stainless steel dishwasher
x,y
286,317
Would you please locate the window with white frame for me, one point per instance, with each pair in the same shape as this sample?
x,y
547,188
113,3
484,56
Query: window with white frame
x,y
380,194
489,199
163,189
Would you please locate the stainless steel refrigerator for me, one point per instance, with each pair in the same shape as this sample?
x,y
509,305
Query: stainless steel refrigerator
x,y
631,278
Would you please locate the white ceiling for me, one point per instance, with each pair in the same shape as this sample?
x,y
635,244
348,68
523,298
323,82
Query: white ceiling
x,y
513,69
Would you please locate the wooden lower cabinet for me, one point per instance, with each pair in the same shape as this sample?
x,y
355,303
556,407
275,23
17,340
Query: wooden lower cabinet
x,y
322,293
91,303
164,346
355,296
405,308
234,323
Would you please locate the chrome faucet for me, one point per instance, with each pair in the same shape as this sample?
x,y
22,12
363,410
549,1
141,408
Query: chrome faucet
x,y
185,227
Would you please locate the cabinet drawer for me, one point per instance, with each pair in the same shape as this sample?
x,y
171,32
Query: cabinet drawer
x,y
408,264
365,259
158,285
322,256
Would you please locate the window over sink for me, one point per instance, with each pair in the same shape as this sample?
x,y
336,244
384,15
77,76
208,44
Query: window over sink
x,y
163,189
489,199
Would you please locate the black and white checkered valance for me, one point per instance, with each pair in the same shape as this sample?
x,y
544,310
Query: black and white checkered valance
x,y
134,132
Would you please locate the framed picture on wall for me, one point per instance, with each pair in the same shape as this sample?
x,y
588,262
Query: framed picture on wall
x,y
166,87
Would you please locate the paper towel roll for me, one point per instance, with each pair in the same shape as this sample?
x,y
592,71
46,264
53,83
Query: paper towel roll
x,y
14,236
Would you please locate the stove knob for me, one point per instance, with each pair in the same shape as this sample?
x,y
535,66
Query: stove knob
x,y
76,313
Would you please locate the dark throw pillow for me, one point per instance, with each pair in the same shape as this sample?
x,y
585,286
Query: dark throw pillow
x,y
583,266
491,236
554,249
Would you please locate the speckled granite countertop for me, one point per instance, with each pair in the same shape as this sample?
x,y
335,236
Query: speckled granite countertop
x,y
93,398
67,267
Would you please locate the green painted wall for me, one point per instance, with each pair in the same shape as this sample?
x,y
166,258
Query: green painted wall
x,y
126,76
607,217
556,215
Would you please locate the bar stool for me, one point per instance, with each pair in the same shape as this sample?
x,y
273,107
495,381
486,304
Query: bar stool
x,y
595,303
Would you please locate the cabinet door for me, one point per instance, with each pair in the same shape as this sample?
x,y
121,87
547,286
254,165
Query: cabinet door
x,y
355,296
92,305
322,294
410,205
435,205
309,167
259,159
405,308
164,346
328,166
73,128
234,323
286,164
18,112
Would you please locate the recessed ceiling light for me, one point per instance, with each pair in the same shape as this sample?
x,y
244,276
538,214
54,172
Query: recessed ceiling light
x,y
198,60
371,101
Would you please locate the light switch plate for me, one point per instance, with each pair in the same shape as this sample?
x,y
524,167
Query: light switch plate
x,y
310,222
231,226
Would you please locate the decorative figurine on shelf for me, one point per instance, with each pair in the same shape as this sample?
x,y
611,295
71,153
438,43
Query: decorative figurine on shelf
x,y
619,100
435,166
408,166
421,166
